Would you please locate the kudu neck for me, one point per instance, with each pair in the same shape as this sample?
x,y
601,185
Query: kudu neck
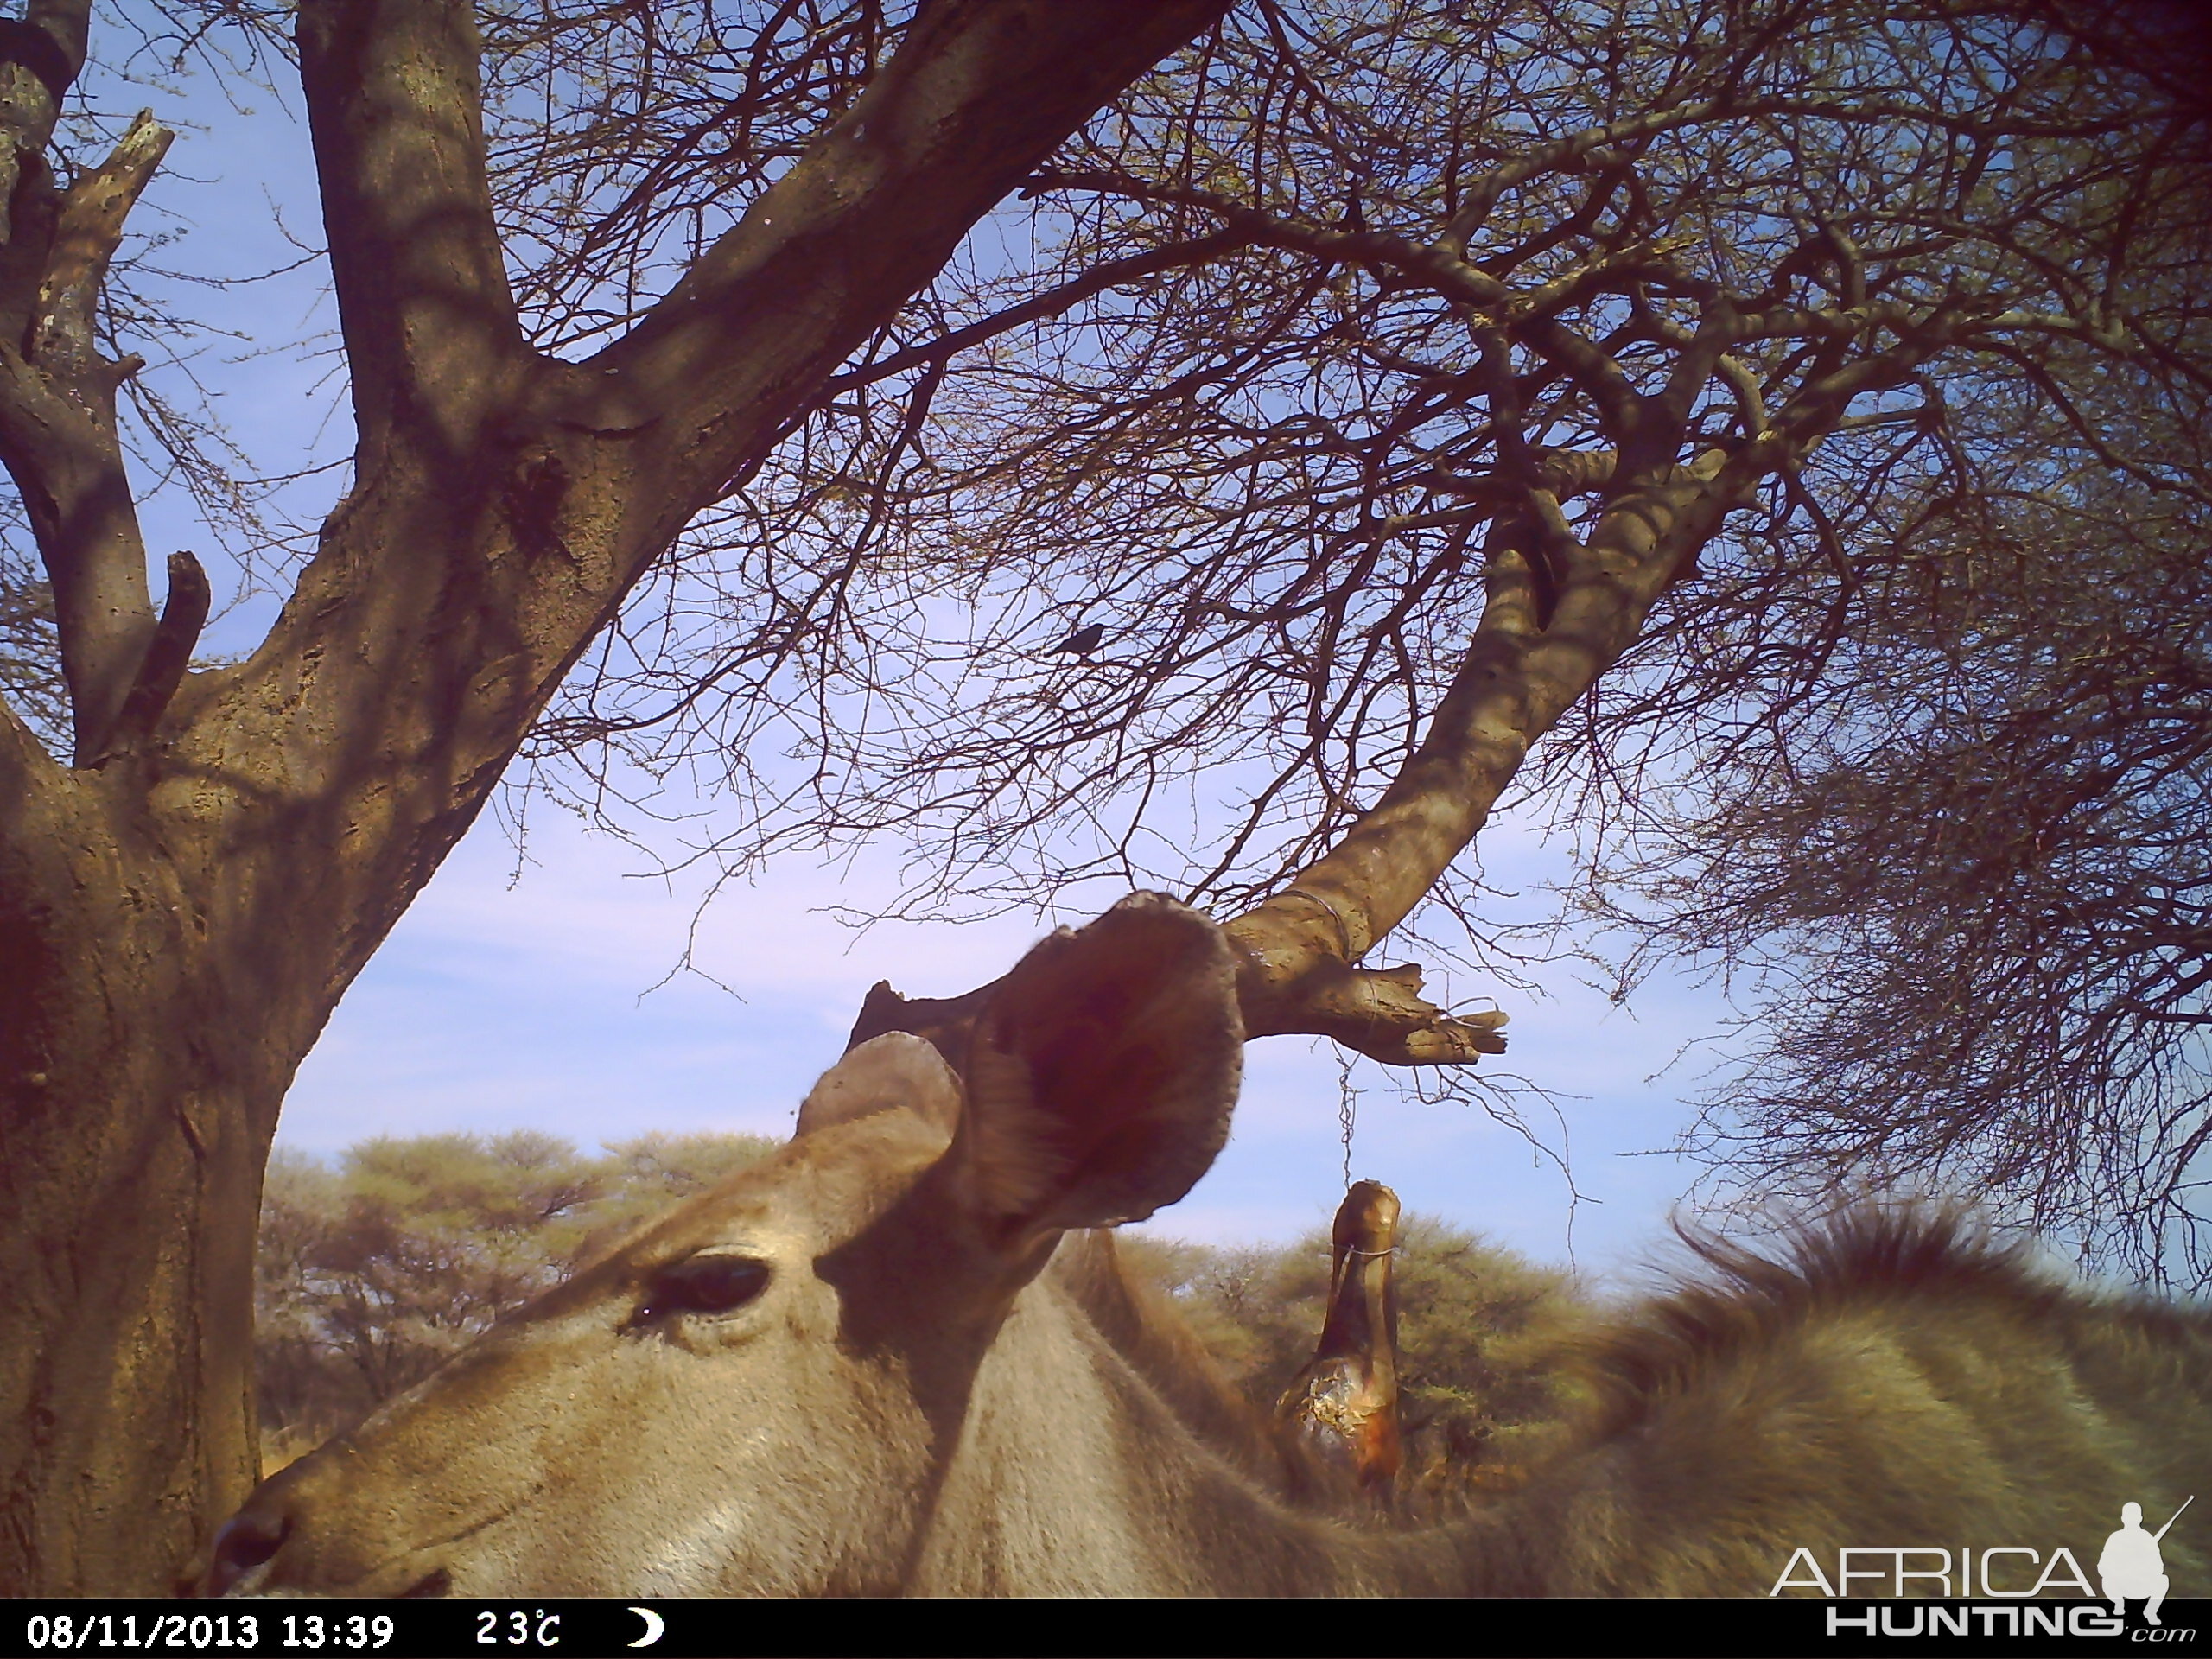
x,y
1102,1456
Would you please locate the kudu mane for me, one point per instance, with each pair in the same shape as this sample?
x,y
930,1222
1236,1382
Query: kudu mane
x,y
1925,1279
1922,1262
1735,1304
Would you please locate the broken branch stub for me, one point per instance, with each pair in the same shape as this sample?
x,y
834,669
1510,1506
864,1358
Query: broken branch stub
x,y
1300,976
168,654
64,341
1378,1011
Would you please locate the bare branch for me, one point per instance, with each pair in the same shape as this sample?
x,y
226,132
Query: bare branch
x,y
1563,471
39,58
1052,303
1434,267
394,106
871,210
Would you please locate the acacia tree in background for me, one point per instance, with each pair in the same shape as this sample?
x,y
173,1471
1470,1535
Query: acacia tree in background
x,y
1428,366
1974,881
186,892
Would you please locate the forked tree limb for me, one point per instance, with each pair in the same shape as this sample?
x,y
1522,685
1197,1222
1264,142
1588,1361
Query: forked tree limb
x,y
498,517
395,107
59,441
487,449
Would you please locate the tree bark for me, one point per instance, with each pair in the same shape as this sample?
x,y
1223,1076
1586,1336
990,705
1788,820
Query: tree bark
x,y
181,911
140,1075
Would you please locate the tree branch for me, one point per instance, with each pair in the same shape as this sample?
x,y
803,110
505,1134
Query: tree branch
x,y
39,57
1563,471
1378,1011
1521,672
58,439
506,504
1433,267
63,334
1482,195
162,670
1051,303
395,108
872,210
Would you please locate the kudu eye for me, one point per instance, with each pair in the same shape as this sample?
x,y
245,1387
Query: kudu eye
x,y
706,1284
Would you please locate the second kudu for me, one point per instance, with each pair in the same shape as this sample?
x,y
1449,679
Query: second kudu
x,y
877,1362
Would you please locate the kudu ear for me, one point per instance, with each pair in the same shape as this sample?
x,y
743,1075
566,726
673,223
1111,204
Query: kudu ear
x,y
1101,1077
891,1071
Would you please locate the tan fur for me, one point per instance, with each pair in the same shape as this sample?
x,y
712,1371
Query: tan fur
x,y
917,1403
1892,1383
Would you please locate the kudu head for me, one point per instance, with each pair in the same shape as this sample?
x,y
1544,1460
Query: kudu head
x,y
759,1395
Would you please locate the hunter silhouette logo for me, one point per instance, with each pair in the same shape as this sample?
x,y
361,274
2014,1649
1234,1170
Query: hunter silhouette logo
x,y
2131,1564
2129,1569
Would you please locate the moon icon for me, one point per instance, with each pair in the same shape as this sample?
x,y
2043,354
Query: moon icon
x,y
654,1625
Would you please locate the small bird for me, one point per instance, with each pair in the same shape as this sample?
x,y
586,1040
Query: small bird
x,y
1082,642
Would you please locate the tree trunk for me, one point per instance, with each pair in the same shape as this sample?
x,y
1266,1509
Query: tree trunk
x,y
139,1083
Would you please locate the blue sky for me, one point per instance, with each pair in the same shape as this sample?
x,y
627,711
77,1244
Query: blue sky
x,y
538,993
